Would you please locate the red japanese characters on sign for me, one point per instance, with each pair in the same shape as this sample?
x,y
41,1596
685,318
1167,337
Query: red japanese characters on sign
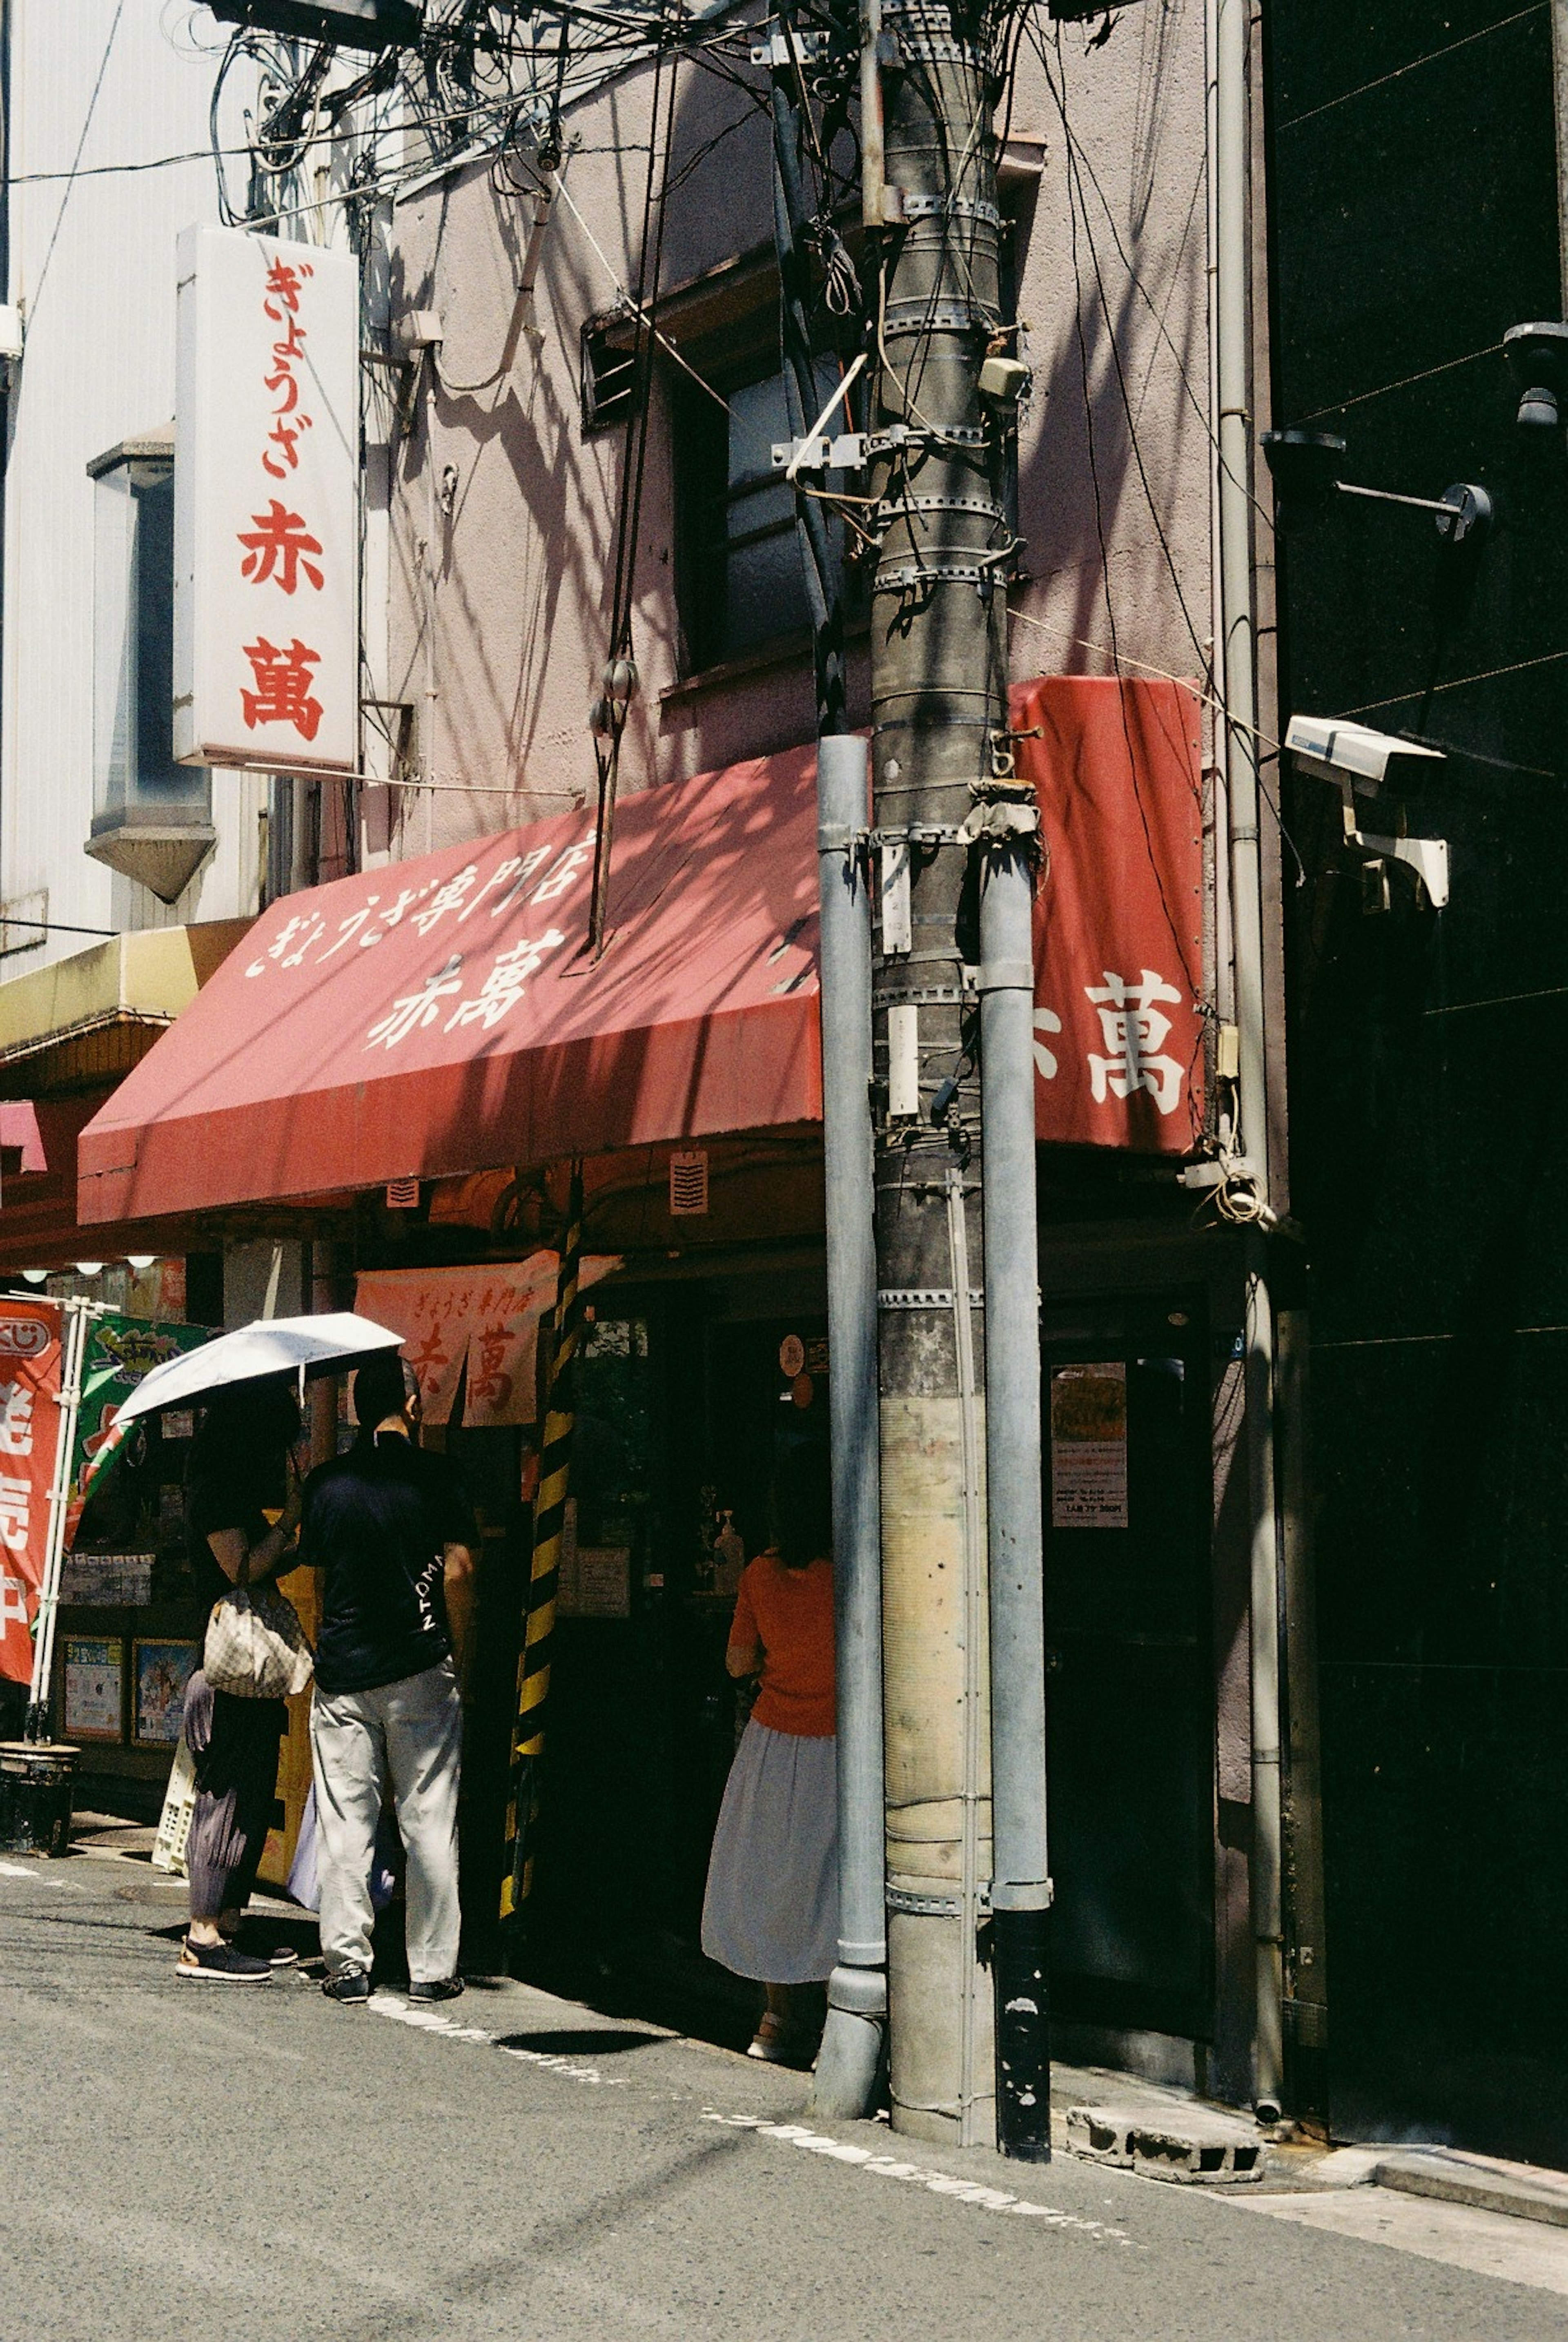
x,y
447,995
266,523
486,1319
29,1445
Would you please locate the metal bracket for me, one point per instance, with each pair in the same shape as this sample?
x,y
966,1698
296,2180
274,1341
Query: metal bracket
x,y
1008,976
1426,858
934,1297
922,1906
921,995
892,508
928,320
845,453
837,839
784,50
910,576
955,206
899,436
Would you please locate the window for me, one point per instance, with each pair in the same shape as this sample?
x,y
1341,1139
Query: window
x,y
609,363
152,818
741,575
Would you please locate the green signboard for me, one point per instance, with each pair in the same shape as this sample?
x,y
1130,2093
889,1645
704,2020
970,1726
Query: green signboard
x,y
120,1351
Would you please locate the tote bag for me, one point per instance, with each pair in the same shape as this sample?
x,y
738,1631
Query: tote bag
x,y
256,1647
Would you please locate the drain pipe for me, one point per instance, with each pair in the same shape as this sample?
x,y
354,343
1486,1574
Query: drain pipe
x,y
1021,1885
1232,331
848,2065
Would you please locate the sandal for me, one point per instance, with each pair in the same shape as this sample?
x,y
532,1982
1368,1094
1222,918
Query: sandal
x,y
769,2041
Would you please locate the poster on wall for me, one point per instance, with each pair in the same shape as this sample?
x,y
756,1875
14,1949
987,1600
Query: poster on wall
x,y
266,502
29,1443
1089,1446
93,1699
160,1672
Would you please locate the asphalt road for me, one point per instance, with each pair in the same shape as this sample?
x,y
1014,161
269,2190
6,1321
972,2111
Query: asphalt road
x,y
180,2161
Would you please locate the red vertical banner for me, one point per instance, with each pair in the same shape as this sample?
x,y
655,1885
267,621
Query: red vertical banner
x,y
1119,993
29,1446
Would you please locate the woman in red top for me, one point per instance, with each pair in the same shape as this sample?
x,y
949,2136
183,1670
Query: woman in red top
x,y
772,1905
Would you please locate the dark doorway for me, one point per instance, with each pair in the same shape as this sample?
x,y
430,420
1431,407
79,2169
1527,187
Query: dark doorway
x,y
1129,1686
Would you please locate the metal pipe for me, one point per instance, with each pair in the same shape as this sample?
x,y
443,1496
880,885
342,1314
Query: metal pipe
x,y
1234,356
850,2059
1020,1884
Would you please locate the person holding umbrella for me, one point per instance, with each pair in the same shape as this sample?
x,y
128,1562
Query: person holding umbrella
x,y
237,1480
391,1532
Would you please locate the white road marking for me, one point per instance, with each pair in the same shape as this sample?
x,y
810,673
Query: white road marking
x,y
938,2183
429,2020
41,1877
1491,2243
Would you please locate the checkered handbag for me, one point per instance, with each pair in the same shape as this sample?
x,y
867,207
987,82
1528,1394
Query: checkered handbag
x,y
256,1647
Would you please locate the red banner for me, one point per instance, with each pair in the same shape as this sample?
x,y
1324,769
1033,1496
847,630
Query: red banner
x,y
486,1319
1118,920
29,1443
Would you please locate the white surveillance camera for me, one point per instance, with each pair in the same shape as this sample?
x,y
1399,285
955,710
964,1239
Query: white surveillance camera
x,y
1354,757
1354,750
11,335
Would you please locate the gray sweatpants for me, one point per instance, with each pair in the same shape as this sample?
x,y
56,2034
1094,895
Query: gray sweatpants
x,y
407,1737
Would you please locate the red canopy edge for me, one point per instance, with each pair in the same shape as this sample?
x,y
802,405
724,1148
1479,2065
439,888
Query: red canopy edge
x,y
443,1016
477,1033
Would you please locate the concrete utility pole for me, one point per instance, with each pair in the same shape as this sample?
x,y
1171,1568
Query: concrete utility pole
x,y
954,835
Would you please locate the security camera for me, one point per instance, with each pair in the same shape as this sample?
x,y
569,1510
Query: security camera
x,y
1353,751
1537,358
12,334
1356,759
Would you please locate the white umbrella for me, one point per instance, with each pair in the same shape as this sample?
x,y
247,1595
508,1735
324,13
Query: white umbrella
x,y
273,1346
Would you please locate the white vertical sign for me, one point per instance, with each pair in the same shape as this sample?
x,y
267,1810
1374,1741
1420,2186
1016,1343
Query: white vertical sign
x,y
267,503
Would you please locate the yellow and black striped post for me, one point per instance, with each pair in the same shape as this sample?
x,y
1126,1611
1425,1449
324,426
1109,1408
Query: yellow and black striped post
x,y
549,1526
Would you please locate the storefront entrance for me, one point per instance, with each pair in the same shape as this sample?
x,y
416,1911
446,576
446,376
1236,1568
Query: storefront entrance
x,y
687,1394
1129,1679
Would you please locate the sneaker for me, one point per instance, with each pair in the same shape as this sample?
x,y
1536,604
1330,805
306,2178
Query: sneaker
x,y
440,1988
277,1955
350,1987
219,1963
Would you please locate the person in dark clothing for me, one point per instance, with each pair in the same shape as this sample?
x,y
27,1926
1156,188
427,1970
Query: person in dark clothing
x,y
237,1478
391,1532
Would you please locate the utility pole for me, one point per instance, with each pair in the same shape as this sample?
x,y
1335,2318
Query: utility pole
x,y
952,978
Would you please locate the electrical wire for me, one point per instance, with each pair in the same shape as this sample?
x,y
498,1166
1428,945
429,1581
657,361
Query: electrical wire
x,y
74,173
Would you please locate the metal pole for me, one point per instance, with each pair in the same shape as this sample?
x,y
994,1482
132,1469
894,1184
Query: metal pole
x,y
1020,1884
1233,357
77,1315
850,2059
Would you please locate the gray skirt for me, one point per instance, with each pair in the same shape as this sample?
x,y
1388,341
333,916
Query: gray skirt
x,y
771,1905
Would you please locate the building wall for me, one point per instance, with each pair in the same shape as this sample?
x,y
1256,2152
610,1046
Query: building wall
x,y
1414,217
1113,451
93,269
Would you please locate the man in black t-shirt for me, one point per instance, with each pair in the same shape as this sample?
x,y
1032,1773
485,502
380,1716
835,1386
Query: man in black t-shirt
x,y
391,1532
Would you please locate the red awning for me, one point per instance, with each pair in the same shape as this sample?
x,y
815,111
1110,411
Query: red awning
x,y
20,1134
442,1017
